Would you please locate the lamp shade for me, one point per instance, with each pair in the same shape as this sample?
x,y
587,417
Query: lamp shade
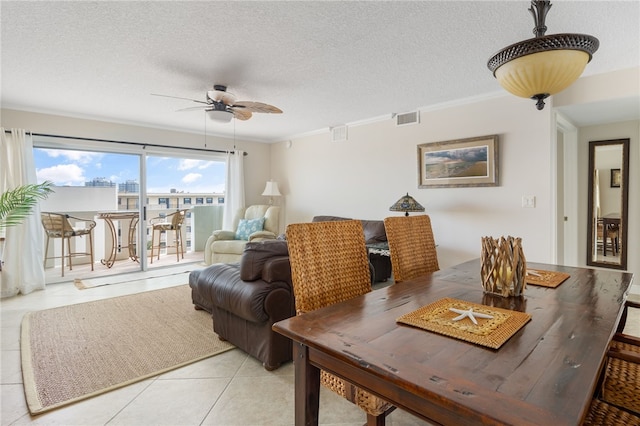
x,y
406,204
545,65
271,189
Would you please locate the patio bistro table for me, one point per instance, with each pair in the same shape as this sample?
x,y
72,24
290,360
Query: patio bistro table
x,y
133,217
546,373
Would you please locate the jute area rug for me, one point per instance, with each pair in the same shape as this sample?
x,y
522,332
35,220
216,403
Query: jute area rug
x,y
79,351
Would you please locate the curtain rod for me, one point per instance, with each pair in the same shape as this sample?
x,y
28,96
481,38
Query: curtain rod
x,y
144,145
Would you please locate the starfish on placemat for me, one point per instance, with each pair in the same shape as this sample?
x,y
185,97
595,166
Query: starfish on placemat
x,y
468,313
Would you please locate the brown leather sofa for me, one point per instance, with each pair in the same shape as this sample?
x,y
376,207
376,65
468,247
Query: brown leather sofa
x,y
374,234
246,298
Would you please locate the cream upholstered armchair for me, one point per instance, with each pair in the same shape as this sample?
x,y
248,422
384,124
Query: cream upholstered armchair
x,y
254,223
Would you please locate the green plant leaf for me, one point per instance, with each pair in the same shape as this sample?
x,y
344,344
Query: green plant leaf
x,y
18,203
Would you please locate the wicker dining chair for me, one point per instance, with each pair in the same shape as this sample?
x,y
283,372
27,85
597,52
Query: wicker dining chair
x,y
329,264
171,222
411,246
621,381
57,225
603,414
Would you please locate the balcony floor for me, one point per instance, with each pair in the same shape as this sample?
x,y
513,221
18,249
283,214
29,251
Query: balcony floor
x,y
122,266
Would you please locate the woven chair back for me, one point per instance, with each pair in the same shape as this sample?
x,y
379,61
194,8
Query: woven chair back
x,y
329,263
411,246
57,225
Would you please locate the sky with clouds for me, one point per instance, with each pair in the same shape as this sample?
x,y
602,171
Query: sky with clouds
x,y
74,168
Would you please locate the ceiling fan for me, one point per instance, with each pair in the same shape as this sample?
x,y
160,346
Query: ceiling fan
x,y
221,105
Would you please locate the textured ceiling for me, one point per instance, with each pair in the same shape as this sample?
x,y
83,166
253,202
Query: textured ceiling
x,y
323,63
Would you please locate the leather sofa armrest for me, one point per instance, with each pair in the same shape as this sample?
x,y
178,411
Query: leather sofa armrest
x,y
257,254
221,284
277,269
262,235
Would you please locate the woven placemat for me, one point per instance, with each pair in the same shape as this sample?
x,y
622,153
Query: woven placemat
x,y
545,278
490,332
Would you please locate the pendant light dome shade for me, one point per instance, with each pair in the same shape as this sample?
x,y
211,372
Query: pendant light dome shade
x,y
545,65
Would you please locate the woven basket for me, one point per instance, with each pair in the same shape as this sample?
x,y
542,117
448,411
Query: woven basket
x,y
503,266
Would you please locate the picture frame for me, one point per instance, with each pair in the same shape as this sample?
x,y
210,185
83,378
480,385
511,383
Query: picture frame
x,y
616,178
470,162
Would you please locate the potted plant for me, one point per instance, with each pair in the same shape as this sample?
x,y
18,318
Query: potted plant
x,y
18,203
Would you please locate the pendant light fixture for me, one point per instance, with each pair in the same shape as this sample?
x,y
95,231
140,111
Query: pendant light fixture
x,y
545,65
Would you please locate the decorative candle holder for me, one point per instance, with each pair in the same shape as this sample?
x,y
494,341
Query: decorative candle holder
x,y
503,266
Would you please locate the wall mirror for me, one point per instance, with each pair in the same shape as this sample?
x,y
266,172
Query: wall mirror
x,y
608,203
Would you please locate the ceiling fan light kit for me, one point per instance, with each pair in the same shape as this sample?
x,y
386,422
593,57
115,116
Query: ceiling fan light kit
x,y
542,66
219,116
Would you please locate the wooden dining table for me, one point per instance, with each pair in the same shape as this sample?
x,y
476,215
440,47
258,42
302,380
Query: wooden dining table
x,y
544,374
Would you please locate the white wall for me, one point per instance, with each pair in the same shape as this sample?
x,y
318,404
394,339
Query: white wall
x,y
71,199
363,176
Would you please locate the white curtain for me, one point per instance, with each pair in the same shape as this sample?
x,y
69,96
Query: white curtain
x,y
234,188
23,252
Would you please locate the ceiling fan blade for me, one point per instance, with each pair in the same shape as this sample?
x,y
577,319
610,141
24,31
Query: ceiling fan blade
x,y
195,108
241,113
221,96
257,107
178,97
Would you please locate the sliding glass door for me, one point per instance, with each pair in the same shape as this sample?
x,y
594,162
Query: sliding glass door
x,y
126,190
178,183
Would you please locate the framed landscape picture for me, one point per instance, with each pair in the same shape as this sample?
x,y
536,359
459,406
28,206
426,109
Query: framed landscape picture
x,y
459,163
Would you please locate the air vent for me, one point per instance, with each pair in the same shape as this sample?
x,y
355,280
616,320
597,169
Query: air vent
x,y
339,134
407,118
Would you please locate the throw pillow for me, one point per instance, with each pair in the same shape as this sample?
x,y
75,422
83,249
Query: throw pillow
x,y
247,227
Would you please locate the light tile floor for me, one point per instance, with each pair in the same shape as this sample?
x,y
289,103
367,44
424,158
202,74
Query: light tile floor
x,y
228,389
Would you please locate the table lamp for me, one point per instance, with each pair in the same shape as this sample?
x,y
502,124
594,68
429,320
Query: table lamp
x,y
406,204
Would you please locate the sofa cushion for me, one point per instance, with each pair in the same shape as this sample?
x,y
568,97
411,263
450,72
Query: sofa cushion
x,y
328,218
374,231
247,227
256,254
